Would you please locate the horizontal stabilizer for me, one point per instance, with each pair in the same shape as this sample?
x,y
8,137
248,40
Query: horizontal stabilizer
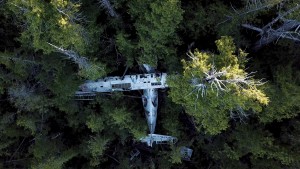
x,y
158,139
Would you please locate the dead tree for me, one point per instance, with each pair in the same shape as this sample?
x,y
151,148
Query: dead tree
x,y
289,29
22,95
252,6
279,27
82,62
70,12
89,70
216,80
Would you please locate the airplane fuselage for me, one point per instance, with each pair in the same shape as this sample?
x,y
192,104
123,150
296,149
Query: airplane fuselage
x,y
149,83
150,102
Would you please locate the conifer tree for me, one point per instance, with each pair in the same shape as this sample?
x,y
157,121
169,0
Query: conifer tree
x,y
155,23
215,87
60,24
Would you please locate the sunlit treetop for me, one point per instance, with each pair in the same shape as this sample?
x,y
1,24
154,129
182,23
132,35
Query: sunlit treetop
x,y
57,22
215,88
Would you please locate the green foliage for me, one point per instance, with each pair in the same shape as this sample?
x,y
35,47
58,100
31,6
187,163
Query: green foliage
x,y
124,164
195,27
126,47
287,6
28,122
284,96
155,24
25,99
93,72
175,156
44,147
17,65
211,106
56,162
4,144
121,117
60,23
97,146
95,123
248,146
123,120
53,22
257,142
170,118
201,21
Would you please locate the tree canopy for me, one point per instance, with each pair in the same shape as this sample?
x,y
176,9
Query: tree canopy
x,y
216,87
233,77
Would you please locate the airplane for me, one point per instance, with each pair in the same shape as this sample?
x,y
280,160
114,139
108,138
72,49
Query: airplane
x,y
149,82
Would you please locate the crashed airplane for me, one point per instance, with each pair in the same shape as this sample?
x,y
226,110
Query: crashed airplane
x,y
149,83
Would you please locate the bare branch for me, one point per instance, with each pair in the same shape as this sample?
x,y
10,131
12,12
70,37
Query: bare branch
x,y
252,28
109,8
73,17
20,91
17,59
239,114
255,9
292,35
17,150
281,17
255,3
81,61
217,82
269,35
252,6
297,29
191,55
22,9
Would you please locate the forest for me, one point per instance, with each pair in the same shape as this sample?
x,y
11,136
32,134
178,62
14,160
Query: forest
x,y
233,74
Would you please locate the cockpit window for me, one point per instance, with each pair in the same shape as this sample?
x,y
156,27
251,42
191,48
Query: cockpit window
x,y
144,101
154,102
156,83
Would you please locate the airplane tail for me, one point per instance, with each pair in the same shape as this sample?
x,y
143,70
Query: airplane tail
x,y
158,139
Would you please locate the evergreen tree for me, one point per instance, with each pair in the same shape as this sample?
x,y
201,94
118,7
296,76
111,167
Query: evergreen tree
x,y
155,23
214,88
